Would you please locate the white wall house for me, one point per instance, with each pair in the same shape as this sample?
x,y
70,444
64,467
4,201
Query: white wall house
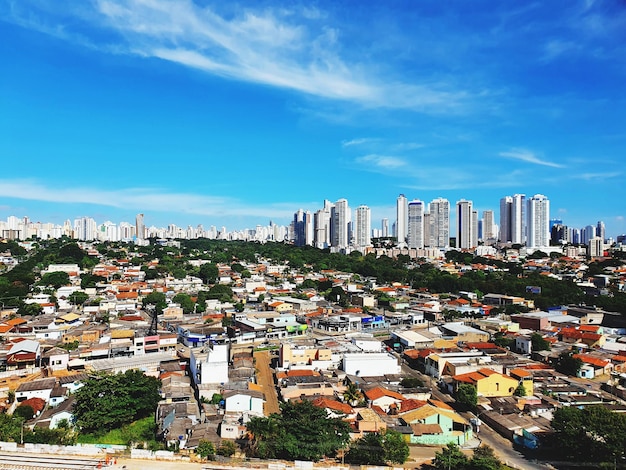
x,y
370,364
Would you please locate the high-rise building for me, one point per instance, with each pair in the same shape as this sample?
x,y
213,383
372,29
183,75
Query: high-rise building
x,y
339,220
600,230
488,225
321,226
506,205
384,226
416,224
299,228
140,228
362,227
464,225
401,220
518,227
538,221
439,210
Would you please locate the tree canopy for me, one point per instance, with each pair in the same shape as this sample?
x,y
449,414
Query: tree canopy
x,y
591,434
301,431
378,448
108,401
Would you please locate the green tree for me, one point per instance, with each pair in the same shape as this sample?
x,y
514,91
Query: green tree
x,y
411,382
484,458
467,396
185,302
227,448
24,412
108,401
368,450
352,394
220,292
593,434
301,432
55,279
158,299
209,273
78,297
32,309
396,448
520,391
568,364
205,449
10,428
450,458
539,343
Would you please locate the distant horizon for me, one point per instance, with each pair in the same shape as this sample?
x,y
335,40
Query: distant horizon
x,y
235,114
376,223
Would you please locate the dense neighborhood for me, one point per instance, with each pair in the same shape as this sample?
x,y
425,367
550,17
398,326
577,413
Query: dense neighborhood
x,y
240,337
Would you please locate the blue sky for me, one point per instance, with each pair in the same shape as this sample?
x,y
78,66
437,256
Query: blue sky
x,y
234,114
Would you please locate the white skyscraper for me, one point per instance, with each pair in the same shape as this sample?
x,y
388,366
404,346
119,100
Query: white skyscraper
x,y
518,228
340,218
401,220
384,226
362,227
416,224
464,225
489,227
506,204
140,227
538,221
321,226
439,210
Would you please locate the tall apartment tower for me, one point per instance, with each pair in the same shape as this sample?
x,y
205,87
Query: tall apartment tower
x,y
538,221
299,228
140,227
339,220
489,226
465,224
601,230
401,220
518,220
321,226
384,226
416,224
362,227
506,205
439,210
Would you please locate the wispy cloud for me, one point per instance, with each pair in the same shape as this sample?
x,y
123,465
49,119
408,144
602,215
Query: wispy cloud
x,y
357,142
597,176
382,161
297,49
528,157
144,199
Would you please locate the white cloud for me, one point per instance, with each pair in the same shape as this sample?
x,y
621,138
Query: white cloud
x,y
597,176
528,157
297,49
142,199
356,142
382,161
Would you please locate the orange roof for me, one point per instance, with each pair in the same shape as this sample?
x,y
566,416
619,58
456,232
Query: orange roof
x,y
520,373
323,402
296,373
379,392
594,361
5,328
439,404
126,295
619,358
482,345
589,328
36,403
473,377
411,404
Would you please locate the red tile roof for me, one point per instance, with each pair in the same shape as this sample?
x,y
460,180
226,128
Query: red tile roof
x,y
379,392
594,361
323,402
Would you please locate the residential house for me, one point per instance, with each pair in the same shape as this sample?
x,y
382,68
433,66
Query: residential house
x,y
488,383
385,399
40,388
437,425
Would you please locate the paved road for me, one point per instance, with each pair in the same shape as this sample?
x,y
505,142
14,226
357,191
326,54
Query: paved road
x,y
265,379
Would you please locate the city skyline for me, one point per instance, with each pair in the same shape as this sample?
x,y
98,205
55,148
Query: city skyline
x,y
237,114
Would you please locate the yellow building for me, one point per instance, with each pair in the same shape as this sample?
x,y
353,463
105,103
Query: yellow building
x,y
488,383
524,378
